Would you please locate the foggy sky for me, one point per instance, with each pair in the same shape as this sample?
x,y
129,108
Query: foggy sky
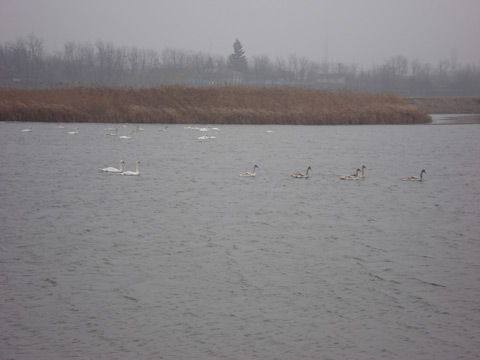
x,y
363,32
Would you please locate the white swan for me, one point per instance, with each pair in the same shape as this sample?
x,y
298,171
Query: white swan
x,y
139,128
302,175
129,136
27,129
351,176
416,178
75,132
114,133
133,172
114,170
250,173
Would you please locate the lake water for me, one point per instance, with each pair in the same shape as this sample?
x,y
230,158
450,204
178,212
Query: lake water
x,y
188,260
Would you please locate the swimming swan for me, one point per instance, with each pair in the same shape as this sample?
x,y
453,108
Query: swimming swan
x,y
114,170
351,176
133,172
73,132
250,173
27,129
129,136
416,178
363,171
302,175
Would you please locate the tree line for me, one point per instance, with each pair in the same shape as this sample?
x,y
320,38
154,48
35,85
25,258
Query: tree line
x,y
25,63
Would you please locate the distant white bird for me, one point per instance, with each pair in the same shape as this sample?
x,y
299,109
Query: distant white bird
x,y
351,176
114,170
250,173
133,172
114,133
416,178
29,129
129,136
269,131
302,175
75,132
139,128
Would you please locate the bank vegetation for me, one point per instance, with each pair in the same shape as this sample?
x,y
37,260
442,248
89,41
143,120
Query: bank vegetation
x,y
227,105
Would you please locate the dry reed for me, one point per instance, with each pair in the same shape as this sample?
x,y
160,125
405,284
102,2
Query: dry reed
x,y
228,105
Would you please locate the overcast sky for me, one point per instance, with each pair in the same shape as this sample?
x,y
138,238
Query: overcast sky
x,y
363,32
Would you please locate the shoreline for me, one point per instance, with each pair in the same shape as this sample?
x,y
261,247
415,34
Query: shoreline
x,y
455,119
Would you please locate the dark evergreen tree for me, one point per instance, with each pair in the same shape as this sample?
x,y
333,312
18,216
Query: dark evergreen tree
x,y
237,60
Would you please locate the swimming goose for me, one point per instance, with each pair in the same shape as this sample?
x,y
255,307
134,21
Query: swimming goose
x,y
114,170
133,172
302,175
351,176
250,173
416,178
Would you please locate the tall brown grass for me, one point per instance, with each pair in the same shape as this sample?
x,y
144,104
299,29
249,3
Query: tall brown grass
x,y
228,105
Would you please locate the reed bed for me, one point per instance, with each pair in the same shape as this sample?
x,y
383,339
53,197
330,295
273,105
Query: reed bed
x,y
227,105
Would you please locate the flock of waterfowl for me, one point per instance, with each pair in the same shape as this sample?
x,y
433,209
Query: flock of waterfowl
x,y
359,173
354,176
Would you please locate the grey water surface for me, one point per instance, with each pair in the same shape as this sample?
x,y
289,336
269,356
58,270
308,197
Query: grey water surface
x,y
189,260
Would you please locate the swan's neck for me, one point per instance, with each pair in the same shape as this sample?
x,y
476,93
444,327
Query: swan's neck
x,y
121,166
253,172
137,167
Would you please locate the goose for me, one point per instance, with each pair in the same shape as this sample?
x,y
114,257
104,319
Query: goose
x,y
416,178
133,172
114,170
250,173
27,129
75,132
351,176
302,175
